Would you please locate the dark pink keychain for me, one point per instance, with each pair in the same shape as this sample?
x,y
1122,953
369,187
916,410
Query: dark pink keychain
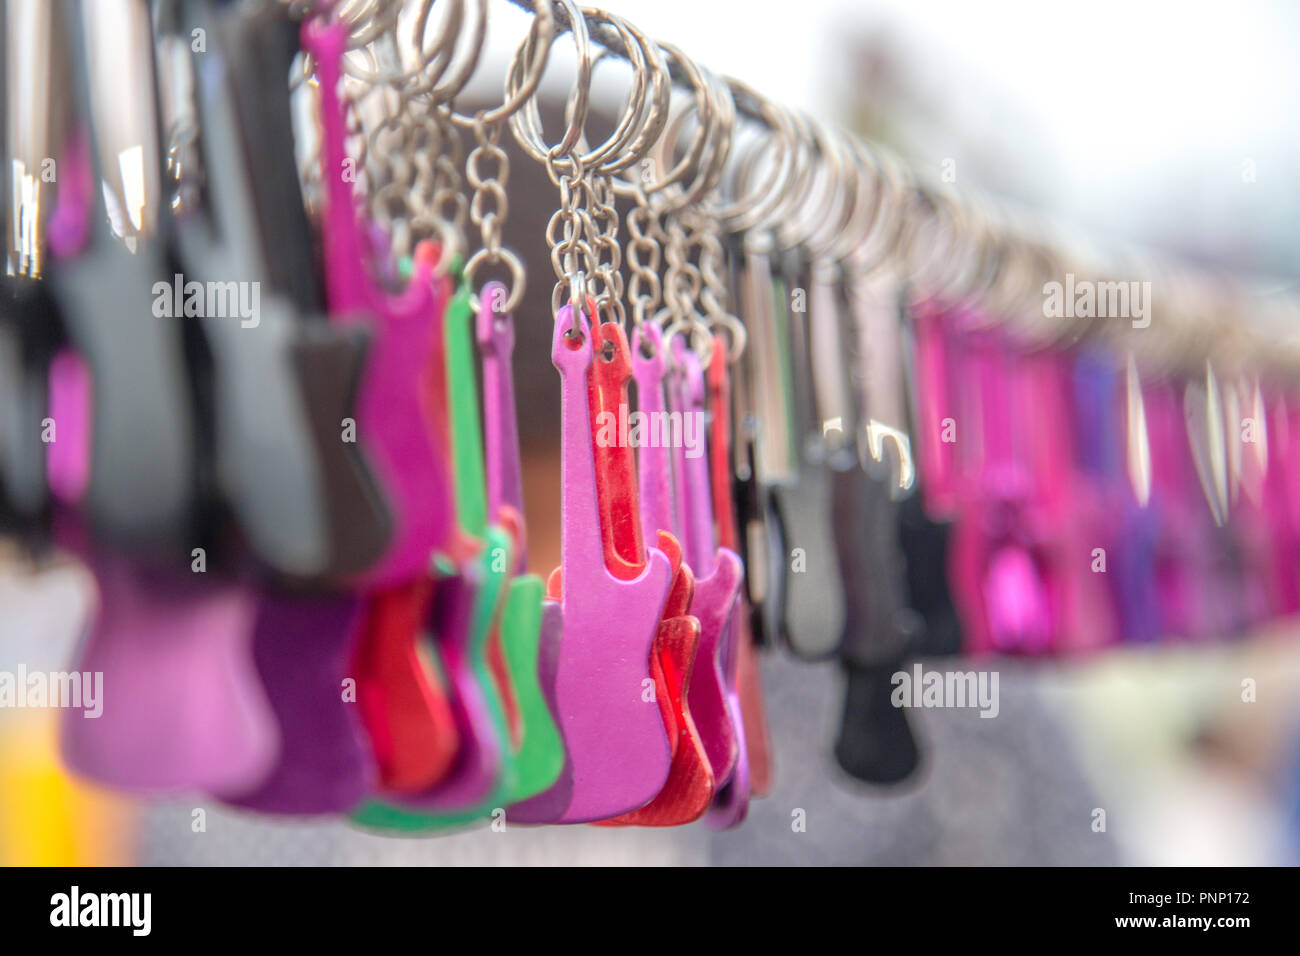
x,y
393,417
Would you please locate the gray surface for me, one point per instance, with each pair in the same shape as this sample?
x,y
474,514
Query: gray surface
x,y
1005,790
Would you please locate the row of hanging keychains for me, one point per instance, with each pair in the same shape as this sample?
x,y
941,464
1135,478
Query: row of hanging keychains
x,y
440,685
1096,500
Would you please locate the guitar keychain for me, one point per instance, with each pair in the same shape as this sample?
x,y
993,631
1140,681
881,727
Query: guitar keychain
x,y
331,767
539,750
689,788
814,593
265,461
28,346
1127,530
740,665
617,751
875,742
144,478
719,572
482,772
393,413
763,449
719,600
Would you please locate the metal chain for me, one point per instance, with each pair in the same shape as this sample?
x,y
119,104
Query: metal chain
x,y
490,207
644,257
569,234
607,287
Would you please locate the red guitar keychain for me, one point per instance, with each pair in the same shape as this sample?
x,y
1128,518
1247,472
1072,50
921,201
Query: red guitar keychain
x,y
689,789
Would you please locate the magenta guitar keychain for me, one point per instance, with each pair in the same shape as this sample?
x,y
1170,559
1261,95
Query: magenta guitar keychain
x,y
392,414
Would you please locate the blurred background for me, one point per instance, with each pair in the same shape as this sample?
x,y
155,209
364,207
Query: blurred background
x,y
1168,123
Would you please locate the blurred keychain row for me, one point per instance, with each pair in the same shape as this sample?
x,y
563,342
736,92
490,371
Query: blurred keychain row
x,y
255,375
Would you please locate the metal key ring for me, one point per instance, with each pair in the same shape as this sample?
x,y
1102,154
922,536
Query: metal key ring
x,y
710,143
523,76
751,209
541,35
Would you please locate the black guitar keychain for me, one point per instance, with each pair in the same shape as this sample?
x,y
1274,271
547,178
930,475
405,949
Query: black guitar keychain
x,y
284,384
875,742
29,335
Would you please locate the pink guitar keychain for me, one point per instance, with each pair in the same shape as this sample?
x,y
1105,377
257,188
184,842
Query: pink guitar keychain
x,y
998,569
393,416
618,754
1084,616
183,708
1178,504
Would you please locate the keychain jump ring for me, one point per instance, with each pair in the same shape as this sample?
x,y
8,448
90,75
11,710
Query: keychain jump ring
x,y
735,329
710,123
513,265
541,35
525,70
623,144
750,210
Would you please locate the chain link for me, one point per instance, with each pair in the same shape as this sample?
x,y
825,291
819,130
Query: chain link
x,y
644,257
490,207
569,234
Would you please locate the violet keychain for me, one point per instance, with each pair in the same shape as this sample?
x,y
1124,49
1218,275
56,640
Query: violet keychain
x,y
717,605
718,576
1125,530
617,751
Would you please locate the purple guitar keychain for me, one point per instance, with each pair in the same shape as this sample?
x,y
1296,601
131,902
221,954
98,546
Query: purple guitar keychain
x,y
718,571
617,751
302,646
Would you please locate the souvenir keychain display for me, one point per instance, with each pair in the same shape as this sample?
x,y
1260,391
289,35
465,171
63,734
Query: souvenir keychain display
x,y
809,404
